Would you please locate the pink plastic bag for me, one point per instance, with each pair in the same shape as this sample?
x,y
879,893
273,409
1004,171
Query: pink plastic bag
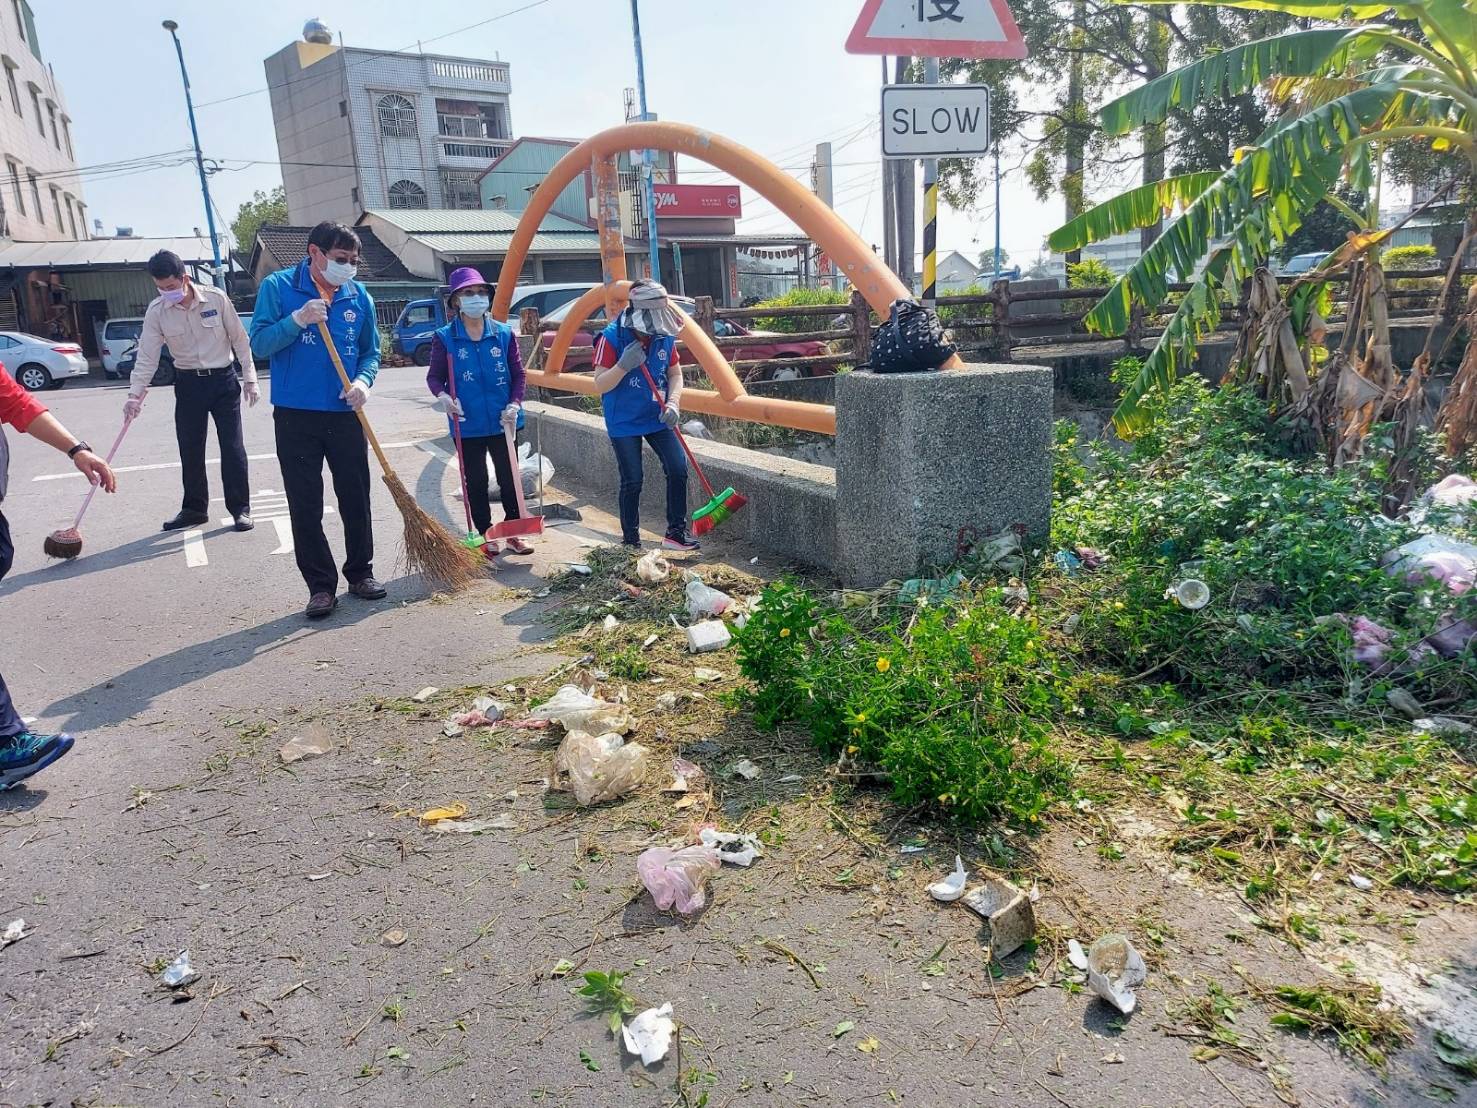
x,y
677,877
1371,641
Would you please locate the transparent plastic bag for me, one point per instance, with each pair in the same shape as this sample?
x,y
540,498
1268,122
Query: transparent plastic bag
x,y
704,601
598,773
652,568
576,710
676,878
598,746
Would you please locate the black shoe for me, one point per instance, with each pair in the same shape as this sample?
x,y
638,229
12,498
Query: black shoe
x,y
321,605
244,522
185,519
677,541
368,589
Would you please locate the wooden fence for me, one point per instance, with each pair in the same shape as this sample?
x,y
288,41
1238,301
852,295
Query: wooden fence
x,y
1003,321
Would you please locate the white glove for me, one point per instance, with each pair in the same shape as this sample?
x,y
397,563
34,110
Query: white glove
x,y
314,311
510,417
356,395
670,414
252,391
448,405
132,406
631,357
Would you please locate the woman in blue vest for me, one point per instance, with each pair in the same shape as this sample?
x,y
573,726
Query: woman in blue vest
x,y
644,337
483,354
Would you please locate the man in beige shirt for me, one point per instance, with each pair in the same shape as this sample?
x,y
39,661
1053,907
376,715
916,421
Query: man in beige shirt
x,y
203,332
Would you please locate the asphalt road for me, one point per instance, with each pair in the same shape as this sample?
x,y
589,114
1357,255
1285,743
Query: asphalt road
x,y
143,616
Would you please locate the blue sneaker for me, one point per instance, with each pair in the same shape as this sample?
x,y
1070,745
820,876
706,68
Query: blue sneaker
x,y
29,753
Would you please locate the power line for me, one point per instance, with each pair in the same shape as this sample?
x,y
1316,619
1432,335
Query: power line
x,y
376,54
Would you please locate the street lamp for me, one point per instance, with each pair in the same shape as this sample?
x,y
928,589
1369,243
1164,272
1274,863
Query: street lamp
x,y
215,253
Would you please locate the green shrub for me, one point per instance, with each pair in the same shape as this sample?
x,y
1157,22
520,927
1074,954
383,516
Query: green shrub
x,y
953,701
1411,257
797,298
1090,273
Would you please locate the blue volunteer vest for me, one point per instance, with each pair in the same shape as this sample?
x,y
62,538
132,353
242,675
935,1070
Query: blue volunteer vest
x,y
629,408
303,375
484,378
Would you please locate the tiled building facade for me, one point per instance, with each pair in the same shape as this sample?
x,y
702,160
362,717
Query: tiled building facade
x,y
40,190
365,129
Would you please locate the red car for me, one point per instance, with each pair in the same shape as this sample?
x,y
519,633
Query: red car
x,y
581,351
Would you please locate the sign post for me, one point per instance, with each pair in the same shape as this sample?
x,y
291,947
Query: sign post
x,y
934,29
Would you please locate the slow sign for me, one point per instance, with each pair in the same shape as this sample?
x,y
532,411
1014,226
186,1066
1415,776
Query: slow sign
x,y
935,121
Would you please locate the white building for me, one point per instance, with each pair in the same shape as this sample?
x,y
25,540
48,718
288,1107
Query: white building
x,y
371,129
40,191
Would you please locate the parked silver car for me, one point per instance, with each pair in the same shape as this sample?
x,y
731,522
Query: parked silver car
x,y
39,363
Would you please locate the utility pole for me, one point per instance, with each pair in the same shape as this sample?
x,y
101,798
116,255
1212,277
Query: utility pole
x,y
930,206
217,274
1072,182
903,203
889,217
656,261
997,206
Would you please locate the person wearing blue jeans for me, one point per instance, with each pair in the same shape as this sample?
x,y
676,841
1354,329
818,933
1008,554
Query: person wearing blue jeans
x,y
633,355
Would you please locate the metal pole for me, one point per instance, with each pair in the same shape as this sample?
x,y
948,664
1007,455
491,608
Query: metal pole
x,y
930,206
889,220
215,251
997,207
656,261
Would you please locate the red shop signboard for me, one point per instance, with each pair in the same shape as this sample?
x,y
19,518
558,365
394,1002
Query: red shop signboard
x,y
697,201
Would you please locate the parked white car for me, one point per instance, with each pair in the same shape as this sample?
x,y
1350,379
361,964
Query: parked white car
x,y
39,363
118,338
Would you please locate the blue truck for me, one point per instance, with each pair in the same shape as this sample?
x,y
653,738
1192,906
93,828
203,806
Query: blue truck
x,y
419,320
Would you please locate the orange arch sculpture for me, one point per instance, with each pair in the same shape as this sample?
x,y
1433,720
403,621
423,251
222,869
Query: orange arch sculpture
x,y
852,257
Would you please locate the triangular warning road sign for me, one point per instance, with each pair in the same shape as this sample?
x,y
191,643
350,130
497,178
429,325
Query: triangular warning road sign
x,y
937,29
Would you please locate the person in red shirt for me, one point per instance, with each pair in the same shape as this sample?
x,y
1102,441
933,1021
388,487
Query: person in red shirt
x,y
24,752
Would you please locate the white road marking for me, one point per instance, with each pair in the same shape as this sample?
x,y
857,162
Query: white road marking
x,y
195,556
272,508
284,535
435,451
209,461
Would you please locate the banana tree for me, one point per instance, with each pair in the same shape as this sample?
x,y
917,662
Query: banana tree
x,y
1345,92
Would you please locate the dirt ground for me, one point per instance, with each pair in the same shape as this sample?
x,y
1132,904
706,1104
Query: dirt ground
x,y
283,882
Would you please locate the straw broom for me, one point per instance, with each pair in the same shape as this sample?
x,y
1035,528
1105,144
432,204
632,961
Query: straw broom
x,y
429,549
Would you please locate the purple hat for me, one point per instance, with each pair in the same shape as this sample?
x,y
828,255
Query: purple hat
x,y
466,275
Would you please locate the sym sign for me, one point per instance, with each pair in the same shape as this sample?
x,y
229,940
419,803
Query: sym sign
x,y
697,201
935,121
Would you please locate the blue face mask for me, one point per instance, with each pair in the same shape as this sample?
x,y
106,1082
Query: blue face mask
x,y
474,306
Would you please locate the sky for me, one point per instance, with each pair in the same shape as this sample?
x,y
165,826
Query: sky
x,y
770,74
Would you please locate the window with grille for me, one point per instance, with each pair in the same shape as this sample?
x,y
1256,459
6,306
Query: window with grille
x,y
15,93
36,197
15,185
407,194
397,116
459,189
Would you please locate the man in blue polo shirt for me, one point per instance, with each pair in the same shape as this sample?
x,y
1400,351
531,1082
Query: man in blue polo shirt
x,y
314,414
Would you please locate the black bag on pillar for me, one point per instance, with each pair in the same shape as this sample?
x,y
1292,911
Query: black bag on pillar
x,y
911,341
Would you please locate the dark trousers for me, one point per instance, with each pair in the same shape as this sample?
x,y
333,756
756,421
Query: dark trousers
x,y
474,456
196,401
305,440
10,720
628,458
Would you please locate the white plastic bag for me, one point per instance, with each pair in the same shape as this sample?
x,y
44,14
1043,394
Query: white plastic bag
x,y
529,465
1114,970
599,746
1440,557
577,710
704,601
652,568
736,849
676,877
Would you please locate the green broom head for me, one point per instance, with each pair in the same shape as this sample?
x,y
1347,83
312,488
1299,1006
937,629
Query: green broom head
x,y
717,510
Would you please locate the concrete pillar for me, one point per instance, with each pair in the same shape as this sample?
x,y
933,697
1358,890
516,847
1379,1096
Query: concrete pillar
x,y
921,455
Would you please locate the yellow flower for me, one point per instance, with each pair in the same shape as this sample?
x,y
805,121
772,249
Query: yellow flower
x,y
852,749
1118,605
861,717
883,665
784,632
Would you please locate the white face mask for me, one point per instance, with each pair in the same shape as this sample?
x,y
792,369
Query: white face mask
x,y
339,273
173,296
474,305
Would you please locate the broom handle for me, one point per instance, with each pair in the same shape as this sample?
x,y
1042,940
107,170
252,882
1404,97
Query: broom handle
x,y
343,376
92,490
508,433
456,434
701,476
